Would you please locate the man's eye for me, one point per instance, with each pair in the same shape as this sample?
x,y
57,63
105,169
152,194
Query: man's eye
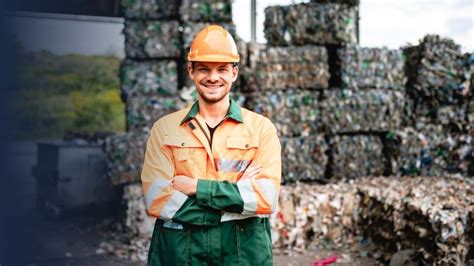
x,y
223,70
202,69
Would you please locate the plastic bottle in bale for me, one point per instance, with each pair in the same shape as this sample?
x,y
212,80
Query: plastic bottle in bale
x,y
429,151
374,110
379,68
356,156
149,9
125,154
144,111
152,39
346,2
149,78
293,112
310,23
206,10
304,67
435,71
305,158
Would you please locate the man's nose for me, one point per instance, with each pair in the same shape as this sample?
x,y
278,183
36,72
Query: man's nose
x,y
213,76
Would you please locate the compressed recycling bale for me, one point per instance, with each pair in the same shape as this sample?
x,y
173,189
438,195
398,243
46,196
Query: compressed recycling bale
x,y
254,51
125,154
304,158
149,78
274,26
144,111
243,49
470,115
249,56
356,156
206,10
452,117
431,215
293,112
362,67
152,39
290,67
238,97
362,110
136,217
469,73
347,2
430,151
435,71
310,23
321,216
246,81
149,9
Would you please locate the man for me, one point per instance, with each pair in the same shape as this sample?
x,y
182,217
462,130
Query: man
x,y
212,172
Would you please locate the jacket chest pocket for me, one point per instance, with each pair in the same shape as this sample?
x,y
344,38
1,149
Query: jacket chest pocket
x,y
189,154
242,147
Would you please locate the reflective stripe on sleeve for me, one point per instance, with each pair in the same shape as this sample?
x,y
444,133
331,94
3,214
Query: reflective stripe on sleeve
x,y
154,190
175,202
248,196
269,190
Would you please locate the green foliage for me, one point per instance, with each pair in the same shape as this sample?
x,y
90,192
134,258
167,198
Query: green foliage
x,y
67,93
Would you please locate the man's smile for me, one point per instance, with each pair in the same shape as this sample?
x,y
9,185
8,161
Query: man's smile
x,y
213,86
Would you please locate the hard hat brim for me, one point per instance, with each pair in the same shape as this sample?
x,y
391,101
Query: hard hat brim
x,y
214,58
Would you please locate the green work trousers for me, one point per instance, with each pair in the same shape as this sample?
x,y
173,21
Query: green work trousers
x,y
240,242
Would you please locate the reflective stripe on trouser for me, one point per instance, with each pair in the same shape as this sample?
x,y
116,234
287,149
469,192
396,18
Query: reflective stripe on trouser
x,y
241,242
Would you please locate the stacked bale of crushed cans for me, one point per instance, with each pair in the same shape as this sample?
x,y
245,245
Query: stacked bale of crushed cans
x,y
438,139
357,92
290,75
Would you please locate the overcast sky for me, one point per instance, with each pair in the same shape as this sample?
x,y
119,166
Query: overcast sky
x,y
391,23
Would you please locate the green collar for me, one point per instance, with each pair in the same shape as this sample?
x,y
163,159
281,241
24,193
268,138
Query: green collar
x,y
233,112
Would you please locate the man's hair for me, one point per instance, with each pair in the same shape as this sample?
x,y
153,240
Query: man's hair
x,y
234,64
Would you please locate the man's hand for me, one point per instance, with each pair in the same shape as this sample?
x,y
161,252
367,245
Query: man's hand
x,y
185,184
251,171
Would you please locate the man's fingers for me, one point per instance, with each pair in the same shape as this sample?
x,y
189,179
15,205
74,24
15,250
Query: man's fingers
x,y
253,167
251,171
254,171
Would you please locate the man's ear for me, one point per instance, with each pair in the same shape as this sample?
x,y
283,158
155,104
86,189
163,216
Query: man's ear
x,y
235,73
190,70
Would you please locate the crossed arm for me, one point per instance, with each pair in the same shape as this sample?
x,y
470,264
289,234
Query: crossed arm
x,y
188,185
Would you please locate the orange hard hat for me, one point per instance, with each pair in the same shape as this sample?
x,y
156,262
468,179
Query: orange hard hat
x,y
213,44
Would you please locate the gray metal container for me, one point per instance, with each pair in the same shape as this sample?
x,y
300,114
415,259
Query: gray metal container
x,y
70,175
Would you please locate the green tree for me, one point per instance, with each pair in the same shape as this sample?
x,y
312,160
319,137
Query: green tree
x,y
57,94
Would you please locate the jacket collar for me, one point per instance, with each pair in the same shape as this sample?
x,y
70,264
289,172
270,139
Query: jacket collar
x,y
233,112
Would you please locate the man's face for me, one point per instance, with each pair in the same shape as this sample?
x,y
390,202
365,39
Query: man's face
x,y
213,80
